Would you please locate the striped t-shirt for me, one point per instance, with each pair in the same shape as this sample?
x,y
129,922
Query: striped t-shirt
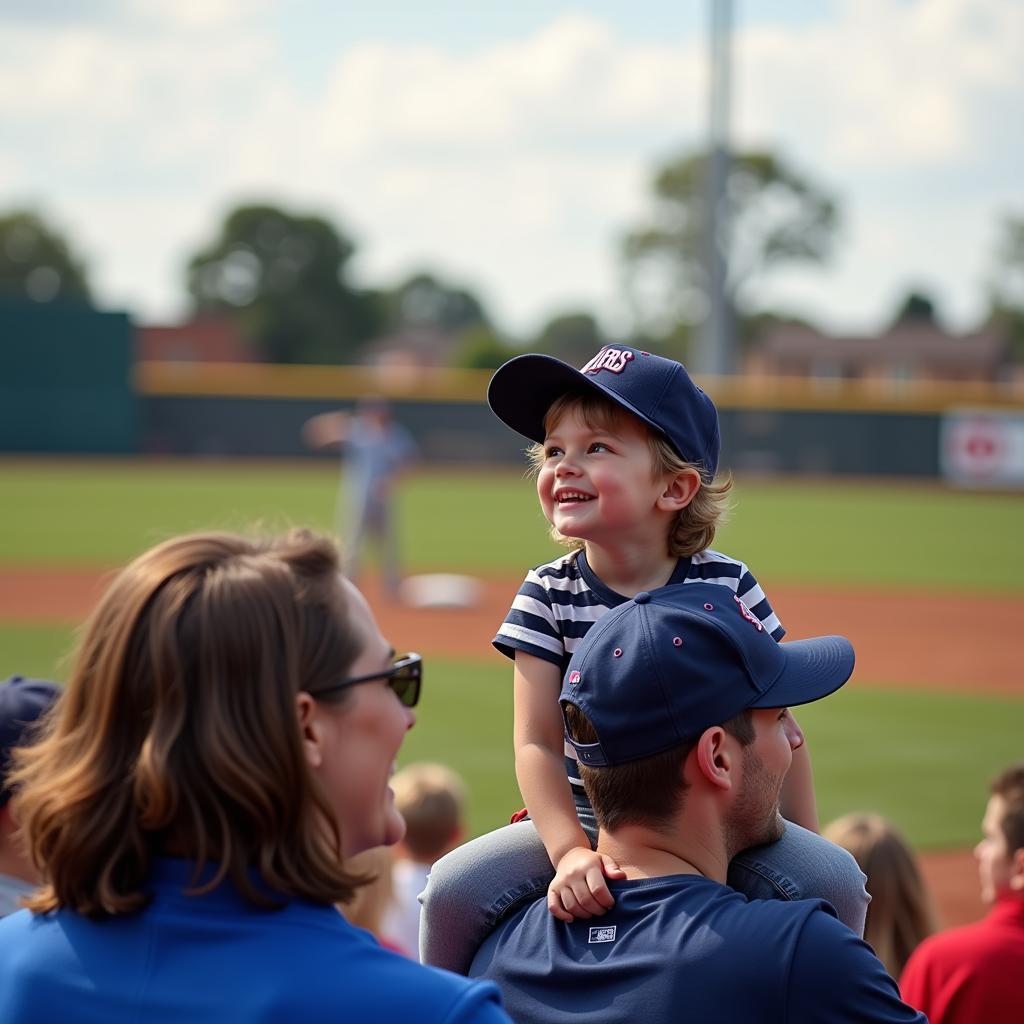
x,y
560,600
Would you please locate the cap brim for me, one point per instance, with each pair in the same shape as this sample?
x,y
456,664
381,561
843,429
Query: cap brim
x,y
814,668
521,392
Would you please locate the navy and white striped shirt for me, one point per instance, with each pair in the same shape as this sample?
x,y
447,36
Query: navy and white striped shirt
x,y
560,600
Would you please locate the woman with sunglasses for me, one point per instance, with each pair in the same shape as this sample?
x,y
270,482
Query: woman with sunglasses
x,y
223,746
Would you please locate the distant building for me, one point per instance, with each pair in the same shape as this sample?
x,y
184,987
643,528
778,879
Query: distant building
x,y
412,347
208,339
908,351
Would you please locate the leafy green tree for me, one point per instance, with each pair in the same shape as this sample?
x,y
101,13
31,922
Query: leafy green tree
x,y
917,308
776,216
1007,290
423,300
572,337
36,262
480,348
284,278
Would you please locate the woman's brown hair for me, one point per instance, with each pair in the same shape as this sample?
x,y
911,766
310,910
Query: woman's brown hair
x,y
178,731
693,529
900,914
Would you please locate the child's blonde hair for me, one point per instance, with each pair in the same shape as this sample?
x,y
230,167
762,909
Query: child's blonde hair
x,y
432,800
694,528
901,914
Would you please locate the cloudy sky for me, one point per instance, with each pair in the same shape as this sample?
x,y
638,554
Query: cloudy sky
x,y
509,146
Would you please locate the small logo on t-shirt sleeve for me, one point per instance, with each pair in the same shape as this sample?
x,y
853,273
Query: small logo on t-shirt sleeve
x,y
604,933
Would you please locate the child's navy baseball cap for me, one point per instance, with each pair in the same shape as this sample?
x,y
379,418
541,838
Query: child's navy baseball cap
x,y
655,672
656,389
22,702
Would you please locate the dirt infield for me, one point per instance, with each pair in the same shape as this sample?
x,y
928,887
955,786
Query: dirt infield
x,y
934,641
911,638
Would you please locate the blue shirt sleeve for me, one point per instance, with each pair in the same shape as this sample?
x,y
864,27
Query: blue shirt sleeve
x,y
480,1004
530,625
752,593
835,977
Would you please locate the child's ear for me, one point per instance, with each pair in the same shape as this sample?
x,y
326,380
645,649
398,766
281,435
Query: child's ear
x,y
679,490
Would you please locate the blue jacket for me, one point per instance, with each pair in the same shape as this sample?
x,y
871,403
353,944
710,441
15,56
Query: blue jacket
x,y
215,958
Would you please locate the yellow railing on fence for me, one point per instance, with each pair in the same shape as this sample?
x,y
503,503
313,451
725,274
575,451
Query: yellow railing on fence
x,y
443,384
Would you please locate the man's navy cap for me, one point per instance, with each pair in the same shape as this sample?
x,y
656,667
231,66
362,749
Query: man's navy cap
x,y
656,389
655,672
22,702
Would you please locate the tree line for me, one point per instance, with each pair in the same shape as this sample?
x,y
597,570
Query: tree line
x,y
284,277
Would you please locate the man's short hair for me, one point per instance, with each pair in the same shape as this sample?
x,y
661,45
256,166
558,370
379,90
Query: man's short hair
x,y
432,800
23,704
1009,785
649,791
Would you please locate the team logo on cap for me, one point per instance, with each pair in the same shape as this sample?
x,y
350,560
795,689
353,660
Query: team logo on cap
x,y
615,360
749,615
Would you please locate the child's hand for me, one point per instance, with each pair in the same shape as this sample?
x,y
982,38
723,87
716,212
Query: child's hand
x,y
579,888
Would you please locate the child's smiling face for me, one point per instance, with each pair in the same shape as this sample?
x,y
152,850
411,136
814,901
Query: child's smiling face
x,y
597,480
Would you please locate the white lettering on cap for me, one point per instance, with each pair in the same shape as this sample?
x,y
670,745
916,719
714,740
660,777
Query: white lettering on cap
x,y
615,360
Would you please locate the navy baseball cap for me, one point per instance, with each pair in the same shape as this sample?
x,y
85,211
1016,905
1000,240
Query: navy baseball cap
x,y
655,672
657,390
22,702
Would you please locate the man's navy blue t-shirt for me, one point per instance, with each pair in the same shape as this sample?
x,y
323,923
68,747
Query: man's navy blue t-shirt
x,y
684,947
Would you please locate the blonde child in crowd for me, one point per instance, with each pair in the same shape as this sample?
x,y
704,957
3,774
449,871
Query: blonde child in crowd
x,y
901,915
626,451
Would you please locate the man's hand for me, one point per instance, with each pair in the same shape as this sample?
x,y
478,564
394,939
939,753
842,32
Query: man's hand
x,y
578,889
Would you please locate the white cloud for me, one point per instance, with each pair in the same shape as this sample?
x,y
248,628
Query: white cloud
x,y
516,165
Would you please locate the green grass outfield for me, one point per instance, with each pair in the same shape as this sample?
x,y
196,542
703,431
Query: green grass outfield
x,y
871,533
924,759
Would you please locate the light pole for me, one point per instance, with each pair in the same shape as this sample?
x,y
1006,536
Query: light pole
x,y
717,334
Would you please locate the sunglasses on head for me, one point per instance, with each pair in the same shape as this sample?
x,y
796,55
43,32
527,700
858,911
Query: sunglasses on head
x,y
404,677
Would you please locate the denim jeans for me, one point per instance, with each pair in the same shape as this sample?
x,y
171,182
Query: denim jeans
x,y
475,886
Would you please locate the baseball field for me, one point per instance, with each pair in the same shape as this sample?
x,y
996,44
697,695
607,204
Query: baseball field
x,y
928,583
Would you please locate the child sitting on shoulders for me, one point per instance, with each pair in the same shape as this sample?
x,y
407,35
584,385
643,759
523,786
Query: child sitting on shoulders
x,y
626,450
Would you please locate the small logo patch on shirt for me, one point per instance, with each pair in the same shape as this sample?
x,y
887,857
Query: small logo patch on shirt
x,y
603,934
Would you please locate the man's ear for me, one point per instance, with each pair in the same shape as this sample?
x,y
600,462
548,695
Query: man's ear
x,y
1017,870
8,821
679,491
307,711
715,758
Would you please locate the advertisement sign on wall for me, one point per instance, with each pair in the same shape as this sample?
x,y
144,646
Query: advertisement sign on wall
x,y
982,448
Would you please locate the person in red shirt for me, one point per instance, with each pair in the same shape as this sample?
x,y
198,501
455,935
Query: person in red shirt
x,y
976,973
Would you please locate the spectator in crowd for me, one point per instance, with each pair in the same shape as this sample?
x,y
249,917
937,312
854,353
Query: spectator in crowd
x,y
976,973
22,702
222,749
676,705
376,450
900,914
432,800
369,906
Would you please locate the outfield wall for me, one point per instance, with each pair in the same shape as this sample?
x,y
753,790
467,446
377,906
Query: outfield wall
x,y
69,384
66,379
813,427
